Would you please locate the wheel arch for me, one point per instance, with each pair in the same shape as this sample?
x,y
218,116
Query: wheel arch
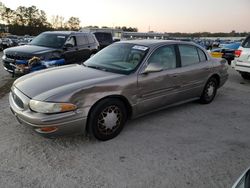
x,y
217,77
122,98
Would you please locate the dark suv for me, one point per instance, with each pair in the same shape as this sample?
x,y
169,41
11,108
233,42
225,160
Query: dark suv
x,y
104,38
73,47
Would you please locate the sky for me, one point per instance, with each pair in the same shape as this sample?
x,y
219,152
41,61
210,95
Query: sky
x,y
153,15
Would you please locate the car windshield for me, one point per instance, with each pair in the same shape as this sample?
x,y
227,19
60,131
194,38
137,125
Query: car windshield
x,y
51,40
122,58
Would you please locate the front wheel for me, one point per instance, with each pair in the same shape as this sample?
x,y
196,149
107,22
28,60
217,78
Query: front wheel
x,y
107,119
209,91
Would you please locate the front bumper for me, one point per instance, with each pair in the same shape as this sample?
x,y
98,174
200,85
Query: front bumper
x,y
8,64
65,123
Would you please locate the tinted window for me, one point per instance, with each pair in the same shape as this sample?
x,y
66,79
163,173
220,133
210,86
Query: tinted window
x,y
103,37
202,55
189,55
81,40
71,40
165,56
246,43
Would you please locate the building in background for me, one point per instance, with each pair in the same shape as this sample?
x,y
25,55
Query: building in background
x,y
120,34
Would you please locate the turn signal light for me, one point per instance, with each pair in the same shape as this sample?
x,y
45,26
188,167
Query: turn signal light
x,y
47,129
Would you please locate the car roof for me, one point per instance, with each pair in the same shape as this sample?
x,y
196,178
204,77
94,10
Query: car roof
x,y
151,42
67,32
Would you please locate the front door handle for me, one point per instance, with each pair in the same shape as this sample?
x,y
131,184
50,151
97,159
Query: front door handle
x,y
174,75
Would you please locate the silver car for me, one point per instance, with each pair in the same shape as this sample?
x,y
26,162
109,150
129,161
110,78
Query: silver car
x,y
125,80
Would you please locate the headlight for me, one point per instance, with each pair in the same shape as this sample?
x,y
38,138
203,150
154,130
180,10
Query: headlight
x,y
4,56
48,107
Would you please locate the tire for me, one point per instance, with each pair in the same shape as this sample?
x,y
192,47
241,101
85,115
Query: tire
x,y
107,119
209,91
245,75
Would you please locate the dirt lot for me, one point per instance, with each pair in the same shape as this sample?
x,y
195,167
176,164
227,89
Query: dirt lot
x,y
191,145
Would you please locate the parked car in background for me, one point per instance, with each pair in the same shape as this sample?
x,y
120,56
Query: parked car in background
x,y
14,39
24,41
242,60
104,38
124,80
227,51
73,47
7,43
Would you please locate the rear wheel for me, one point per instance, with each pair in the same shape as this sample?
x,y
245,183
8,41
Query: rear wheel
x,y
107,119
245,75
209,91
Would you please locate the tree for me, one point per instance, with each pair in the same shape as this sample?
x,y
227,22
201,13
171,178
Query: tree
x,y
20,18
57,22
7,14
73,23
129,29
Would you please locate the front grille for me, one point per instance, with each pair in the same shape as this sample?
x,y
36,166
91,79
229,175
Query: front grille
x,y
17,57
17,100
8,66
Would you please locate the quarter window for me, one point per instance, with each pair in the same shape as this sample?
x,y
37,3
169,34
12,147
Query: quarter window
x,y
202,55
164,56
189,55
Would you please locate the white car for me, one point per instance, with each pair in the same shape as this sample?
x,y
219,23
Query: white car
x,y
242,60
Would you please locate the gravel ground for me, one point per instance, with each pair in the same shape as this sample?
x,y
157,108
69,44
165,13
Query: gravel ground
x,y
191,145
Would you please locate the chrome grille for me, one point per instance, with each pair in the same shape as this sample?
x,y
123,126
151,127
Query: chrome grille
x,y
17,57
17,100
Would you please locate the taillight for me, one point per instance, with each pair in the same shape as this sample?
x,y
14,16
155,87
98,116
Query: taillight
x,y
237,53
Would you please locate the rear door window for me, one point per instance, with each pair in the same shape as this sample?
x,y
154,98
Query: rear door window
x,y
81,40
91,39
246,43
189,55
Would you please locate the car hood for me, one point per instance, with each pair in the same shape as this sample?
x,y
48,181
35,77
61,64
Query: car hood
x,y
28,50
44,84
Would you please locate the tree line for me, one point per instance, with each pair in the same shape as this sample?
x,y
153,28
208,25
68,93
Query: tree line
x,y
32,21
208,34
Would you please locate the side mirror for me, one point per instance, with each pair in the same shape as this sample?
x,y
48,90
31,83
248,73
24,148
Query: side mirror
x,y
68,45
243,181
153,67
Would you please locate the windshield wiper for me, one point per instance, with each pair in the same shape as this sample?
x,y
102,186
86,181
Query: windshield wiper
x,y
95,67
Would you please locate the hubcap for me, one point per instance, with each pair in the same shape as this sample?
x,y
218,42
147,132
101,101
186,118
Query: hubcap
x,y
210,90
109,119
